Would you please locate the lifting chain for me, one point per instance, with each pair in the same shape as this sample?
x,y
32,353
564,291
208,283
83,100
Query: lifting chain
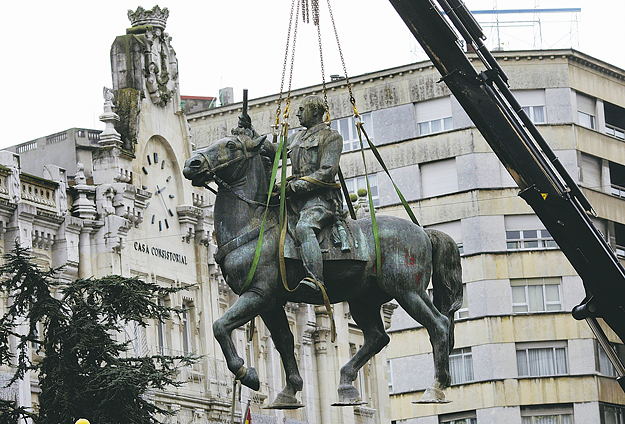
x,y
323,76
286,55
307,10
352,100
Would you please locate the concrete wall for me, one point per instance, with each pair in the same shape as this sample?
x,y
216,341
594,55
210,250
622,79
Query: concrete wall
x,y
486,194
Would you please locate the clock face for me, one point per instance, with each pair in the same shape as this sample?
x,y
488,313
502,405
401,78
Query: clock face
x,y
160,176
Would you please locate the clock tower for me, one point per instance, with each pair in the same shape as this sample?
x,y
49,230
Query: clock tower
x,y
154,222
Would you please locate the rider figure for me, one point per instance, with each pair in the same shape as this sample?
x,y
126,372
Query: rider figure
x,y
313,192
315,153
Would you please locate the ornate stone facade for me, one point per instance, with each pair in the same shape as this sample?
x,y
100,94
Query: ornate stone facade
x,y
120,205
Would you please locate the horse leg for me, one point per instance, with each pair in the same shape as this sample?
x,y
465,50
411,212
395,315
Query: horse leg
x,y
277,323
247,306
420,307
367,316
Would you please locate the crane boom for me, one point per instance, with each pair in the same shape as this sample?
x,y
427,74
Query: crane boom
x,y
544,182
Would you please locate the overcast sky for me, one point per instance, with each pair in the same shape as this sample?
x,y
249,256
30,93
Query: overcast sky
x,y
55,55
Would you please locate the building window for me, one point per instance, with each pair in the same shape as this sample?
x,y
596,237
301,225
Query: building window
x,y
186,328
437,125
604,366
614,131
558,414
458,418
590,171
434,116
389,370
533,104
451,228
586,120
463,312
541,359
355,184
619,238
536,294
535,113
586,111
525,232
617,179
614,120
161,330
529,239
611,414
347,128
461,365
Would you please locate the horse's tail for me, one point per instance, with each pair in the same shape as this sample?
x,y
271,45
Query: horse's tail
x,y
446,277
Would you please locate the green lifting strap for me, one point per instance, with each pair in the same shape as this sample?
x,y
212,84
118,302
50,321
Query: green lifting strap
x,y
379,158
274,171
374,222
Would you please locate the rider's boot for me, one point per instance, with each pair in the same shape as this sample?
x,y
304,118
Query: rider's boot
x,y
313,262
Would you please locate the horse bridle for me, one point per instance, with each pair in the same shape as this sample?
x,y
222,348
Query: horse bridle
x,y
221,183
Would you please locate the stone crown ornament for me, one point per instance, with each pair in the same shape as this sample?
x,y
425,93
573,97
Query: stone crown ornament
x,y
156,17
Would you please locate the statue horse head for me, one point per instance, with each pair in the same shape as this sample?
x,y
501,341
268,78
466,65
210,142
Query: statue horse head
x,y
225,161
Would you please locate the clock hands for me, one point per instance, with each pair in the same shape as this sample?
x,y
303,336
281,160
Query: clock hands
x,y
154,160
159,192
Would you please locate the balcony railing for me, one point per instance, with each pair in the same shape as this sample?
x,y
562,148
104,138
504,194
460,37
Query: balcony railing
x,y
617,191
615,131
206,375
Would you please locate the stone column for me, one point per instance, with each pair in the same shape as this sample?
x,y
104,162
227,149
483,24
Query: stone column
x,y
321,351
85,269
84,208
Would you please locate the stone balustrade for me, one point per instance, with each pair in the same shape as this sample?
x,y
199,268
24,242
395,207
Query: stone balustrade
x,y
39,192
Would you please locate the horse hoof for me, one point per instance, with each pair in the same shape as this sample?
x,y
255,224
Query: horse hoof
x,y
433,395
283,401
250,379
348,395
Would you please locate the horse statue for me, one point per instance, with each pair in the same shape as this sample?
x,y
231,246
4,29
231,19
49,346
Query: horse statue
x,y
410,256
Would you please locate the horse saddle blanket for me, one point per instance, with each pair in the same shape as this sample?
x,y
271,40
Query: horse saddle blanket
x,y
343,240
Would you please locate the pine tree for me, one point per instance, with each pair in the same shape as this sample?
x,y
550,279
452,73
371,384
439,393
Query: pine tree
x,y
85,371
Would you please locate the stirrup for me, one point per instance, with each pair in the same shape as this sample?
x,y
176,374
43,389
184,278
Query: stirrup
x,y
311,283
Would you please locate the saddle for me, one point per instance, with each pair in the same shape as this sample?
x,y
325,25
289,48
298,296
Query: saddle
x,y
343,240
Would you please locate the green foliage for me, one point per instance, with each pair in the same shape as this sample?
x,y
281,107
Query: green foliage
x,y
29,289
86,372
10,413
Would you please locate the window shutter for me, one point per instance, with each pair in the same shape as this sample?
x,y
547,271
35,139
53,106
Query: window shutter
x,y
522,222
530,97
591,171
439,177
586,104
431,110
452,228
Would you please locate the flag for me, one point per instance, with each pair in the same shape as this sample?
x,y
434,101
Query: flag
x,y
247,417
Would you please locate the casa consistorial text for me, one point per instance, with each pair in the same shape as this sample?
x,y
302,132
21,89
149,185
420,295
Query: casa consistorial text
x,y
160,253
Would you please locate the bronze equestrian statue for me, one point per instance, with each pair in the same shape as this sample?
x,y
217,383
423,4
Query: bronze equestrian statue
x,y
410,256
